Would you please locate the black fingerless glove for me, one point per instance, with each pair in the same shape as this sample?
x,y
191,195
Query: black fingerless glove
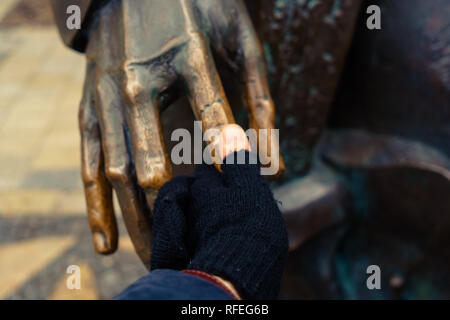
x,y
169,250
239,233
234,228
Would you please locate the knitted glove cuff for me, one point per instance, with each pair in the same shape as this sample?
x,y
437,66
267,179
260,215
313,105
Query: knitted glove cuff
x,y
252,264
169,226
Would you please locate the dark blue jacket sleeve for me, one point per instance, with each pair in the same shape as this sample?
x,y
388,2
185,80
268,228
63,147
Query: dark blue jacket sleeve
x,y
165,284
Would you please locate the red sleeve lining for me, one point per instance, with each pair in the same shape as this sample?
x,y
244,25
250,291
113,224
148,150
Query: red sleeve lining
x,y
210,278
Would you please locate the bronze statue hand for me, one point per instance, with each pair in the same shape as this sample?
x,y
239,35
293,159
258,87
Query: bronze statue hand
x,y
141,56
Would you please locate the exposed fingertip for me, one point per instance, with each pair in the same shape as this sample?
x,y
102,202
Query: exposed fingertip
x,y
232,139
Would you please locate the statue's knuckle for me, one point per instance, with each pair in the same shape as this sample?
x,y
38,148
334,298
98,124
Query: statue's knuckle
x,y
87,123
134,83
154,179
265,106
88,178
117,172
133,90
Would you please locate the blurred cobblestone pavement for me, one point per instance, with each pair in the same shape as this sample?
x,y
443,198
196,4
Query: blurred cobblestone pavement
x,y
43,226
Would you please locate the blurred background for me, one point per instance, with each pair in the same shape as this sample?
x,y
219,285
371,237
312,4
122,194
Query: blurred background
x,y
43,225
384,135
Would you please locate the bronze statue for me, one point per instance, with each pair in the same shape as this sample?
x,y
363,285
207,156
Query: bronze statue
x,y
360,174
130,80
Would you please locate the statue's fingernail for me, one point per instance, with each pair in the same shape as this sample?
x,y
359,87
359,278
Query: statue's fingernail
x,y
100,242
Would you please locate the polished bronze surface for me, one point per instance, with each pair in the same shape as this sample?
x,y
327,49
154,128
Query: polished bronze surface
x,y
131,79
